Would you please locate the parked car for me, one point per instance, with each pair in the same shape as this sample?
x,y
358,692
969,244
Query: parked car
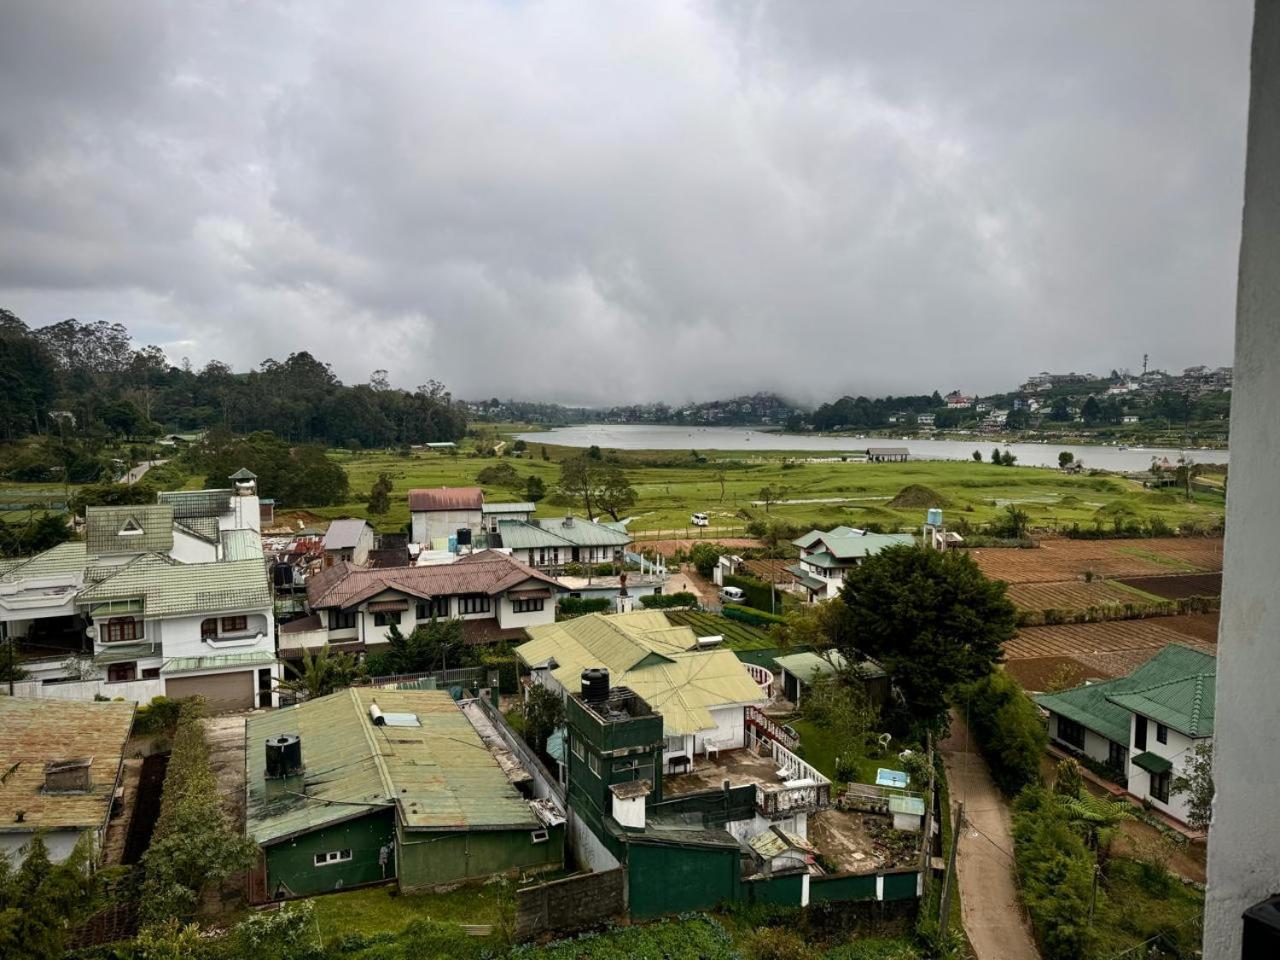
x,y
699,520
732,595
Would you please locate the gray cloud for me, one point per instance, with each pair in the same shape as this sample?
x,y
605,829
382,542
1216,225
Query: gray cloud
x,y
614,202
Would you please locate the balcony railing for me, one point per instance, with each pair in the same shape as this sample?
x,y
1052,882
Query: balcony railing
x,y
802,788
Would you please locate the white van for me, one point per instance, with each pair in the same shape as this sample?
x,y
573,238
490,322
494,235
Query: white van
x,y
732,595
699,520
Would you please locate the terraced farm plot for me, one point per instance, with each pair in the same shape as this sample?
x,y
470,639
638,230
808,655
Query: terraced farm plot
x,y
737,636
1061,560
1069,595
1037,673
1178,586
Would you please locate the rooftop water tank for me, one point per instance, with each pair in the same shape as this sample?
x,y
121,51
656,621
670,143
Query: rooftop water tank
x,y
595,685
284,756
934,517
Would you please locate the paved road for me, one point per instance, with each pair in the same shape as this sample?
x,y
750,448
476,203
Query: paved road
x,y
993,918
138,472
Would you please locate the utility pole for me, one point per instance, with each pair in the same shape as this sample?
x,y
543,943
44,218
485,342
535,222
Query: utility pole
x,y
1093,893
944,912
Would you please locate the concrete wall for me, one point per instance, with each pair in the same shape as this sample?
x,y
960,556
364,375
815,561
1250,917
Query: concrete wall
x,y
141,691
1244,846
508,618
442,524
572,904
59,843
1177,751
192,549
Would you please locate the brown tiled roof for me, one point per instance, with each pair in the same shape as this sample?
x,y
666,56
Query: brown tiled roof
x,y
303,625
489,572
446,498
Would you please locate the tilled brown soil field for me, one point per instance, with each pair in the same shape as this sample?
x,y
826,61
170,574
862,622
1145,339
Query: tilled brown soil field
x,y
1069,595
1064,560
1178,585
1073,639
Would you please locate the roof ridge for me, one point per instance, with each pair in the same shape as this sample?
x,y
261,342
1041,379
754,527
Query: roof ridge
x,y
1197,700
375,754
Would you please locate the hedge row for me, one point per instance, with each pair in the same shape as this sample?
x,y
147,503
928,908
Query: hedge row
x,y
662,601
758,593
578,606
758,618
1006,724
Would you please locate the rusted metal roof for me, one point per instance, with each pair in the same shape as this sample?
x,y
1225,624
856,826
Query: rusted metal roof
x,y
446,498
488,572
438,776
35,732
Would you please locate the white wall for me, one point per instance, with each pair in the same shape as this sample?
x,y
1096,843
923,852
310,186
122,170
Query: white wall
x,y
1177,751
60,843
139,691
1244,846
1096,746
189,549
180,636
730,731
508,618
428,525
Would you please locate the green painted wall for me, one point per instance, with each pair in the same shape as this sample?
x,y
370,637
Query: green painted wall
x,y
830,889
428,858
900,886
668,879
292,862
785,891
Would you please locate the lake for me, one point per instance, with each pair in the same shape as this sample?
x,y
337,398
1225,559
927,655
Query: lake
x,y
743,439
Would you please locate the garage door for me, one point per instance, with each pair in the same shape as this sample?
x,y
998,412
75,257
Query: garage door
x,y
224,692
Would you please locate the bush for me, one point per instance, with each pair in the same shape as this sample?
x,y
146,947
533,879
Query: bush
x,y
1056,873
757,618
704,557
662,601
776,943
577,606
758,593
1007,726
159,717
507,666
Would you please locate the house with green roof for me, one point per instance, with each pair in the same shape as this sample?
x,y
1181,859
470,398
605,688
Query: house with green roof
x,y
1144,727
827,555
547,544
369,786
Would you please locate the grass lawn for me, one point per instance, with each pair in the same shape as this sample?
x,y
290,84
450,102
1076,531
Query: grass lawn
x,y
375,909
818,747
1139,902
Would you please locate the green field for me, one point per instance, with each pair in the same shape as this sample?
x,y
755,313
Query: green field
x,y
737,636
849,493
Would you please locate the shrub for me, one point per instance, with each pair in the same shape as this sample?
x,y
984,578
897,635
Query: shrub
x,y
577,606
704,557
776,943
159,717
1007,726
661,601
758,618
1056,873
758,593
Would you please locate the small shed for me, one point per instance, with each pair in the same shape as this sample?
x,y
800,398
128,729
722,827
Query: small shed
x,y
800,670
888,454
778,850
907,811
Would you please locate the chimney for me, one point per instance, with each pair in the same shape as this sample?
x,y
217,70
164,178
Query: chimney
x,y
68,776
629,803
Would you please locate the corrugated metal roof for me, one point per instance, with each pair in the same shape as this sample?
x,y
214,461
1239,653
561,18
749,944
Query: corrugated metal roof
x,y
343,534
446,498
776,841
221,661
138,528
865,545
813,536
644,652
34,732
809,666
241,545
206,528
488,572
172,589
493,508
533,534
1186,705
439,776
913,806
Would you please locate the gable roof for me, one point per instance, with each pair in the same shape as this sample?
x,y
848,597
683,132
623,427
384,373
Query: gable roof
x,y
644,653
848,543
1185,704
488,572
1105,707
446,498
136,528
34,732
167,588
526,534
344,534
438,775
69,557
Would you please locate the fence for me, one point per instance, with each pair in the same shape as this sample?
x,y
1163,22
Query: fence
x,y
140,690
575,903
810,794
763,727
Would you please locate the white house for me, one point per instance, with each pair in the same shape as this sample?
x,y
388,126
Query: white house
x,y
827,555
702,694
439,513
349,540
553,543
495,596
1145,726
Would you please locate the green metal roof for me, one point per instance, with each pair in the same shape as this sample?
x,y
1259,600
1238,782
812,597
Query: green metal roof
x,y
533,534
243,474
809,666
138,528
438,776
865,545
1186,705
808,580
1099,706
171,589
197,503
1152,762
494,508
241,545
69,557
219,662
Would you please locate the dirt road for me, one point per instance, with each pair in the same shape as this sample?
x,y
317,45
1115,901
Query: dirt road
x,y
993,918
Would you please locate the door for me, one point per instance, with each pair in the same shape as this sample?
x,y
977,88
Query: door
x,y
223,692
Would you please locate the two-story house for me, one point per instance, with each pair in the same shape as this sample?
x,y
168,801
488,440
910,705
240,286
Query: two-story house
x,y
495,596
827,555
553,543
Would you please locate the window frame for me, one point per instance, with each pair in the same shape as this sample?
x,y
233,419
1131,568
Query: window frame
x,y
331,857
1139,732
470,603
382,618
536,605
209,628
128,666
1162,734
342,619
116,633
1067,732
239,623
437,608
1159,785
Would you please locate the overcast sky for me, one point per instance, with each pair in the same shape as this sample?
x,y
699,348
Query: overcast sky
x,y
619,202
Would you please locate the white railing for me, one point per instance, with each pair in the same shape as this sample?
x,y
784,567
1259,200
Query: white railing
x,y
762,676
804,789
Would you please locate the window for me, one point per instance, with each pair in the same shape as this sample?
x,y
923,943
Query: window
x,y
123,629
120,672
1070,732
473,603
386,619
593,762
1139,732
435,608
674,745
333,856
1162,733
527,606
150,673
1117,757
209,628
575,745
235,624
1160,786
342,619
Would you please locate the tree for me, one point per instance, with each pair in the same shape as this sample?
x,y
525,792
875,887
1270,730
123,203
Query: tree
x,y
427,647
580,479
931,619
380,495
1018,419
720,478
615,493
321,673
545,455
996,457
704,557
501,475
1185,474
839,706
1065,459
1008,459
1006,724
543,715
1012,524
1196,783
40,901
534,489
977,456
1068,781
1091,411
1060,411
519,446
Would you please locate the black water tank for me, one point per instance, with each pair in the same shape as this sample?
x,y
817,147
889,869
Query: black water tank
x,y
464,536
284,756
595,684
1261,930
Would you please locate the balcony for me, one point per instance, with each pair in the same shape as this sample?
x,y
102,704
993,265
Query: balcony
x,y
784,784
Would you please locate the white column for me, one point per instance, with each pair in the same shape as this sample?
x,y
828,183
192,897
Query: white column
x,y
1244,846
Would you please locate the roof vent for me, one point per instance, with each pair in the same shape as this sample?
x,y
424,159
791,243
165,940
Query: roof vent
x,y
568,519
68,776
